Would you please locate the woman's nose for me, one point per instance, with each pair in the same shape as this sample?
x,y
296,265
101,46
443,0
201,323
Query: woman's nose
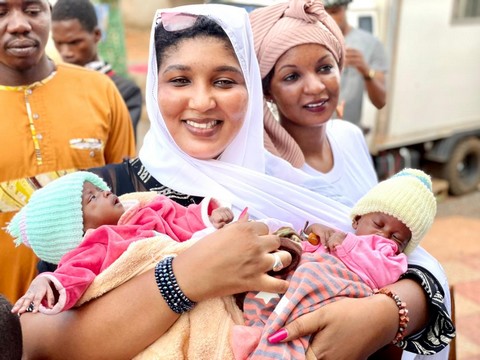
x,y
313,84
202,100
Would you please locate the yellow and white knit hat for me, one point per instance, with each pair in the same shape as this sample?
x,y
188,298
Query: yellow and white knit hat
x,y
408,197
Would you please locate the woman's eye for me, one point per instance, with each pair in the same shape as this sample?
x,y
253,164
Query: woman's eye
x,y
291,77
225,83
326,69
179,81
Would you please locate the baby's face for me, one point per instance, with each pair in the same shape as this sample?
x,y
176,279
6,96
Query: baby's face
x,y
99,207
383,225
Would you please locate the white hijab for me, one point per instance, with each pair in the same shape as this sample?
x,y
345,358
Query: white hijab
x,y
239,175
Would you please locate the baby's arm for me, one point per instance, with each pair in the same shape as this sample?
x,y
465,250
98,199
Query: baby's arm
x,y
40,288
221,216
329,237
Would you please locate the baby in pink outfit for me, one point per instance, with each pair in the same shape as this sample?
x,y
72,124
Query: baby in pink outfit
x,y
77,223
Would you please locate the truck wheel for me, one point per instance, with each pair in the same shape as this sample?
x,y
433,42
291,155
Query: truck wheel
x,y
462,170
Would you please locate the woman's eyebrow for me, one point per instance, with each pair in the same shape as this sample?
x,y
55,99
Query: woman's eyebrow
x,y
176,67
229,68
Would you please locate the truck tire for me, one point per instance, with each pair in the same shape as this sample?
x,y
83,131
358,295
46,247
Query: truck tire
x,y
462,170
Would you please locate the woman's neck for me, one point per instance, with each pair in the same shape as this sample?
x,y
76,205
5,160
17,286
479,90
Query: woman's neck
x,y
314,144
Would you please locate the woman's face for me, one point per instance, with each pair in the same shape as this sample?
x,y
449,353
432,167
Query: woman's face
x,y
305,85
202,95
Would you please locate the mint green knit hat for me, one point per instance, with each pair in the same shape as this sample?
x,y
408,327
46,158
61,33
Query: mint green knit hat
x,y
52,221
408,197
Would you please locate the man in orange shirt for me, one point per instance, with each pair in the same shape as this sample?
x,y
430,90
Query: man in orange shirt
x,y
55,119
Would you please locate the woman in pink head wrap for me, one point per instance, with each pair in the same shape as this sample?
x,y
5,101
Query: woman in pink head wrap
x,y
300,52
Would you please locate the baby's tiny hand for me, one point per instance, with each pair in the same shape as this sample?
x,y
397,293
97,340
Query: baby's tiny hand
x,y
319,233
39,289
335,239
221,216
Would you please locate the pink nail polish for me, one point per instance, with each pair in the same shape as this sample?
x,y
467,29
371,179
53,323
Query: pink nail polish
x,y
242,214
278,336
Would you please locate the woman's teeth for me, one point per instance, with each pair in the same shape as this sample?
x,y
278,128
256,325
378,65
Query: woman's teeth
x,y
316,105
197,125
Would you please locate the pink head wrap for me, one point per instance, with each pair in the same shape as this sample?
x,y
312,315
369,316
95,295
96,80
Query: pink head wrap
x,y
280,27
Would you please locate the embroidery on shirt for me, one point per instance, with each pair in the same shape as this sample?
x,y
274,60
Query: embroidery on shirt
x,y
86,144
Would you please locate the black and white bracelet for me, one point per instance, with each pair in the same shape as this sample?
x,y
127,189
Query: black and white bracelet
x,y
168,286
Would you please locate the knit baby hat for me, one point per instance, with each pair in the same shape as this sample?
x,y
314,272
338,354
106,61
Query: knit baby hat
x,y
406,196
52,221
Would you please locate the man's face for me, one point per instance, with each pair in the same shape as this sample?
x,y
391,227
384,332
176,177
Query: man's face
x,y
24,29
75,44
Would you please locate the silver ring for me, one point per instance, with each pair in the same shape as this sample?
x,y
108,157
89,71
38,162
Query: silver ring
x,y
30,307
277,264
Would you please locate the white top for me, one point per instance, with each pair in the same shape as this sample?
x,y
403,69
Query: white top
x,y
352,174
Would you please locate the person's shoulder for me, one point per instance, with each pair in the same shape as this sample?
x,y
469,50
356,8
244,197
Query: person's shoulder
x,y
82,72
123,80
363,33
125,84
366,36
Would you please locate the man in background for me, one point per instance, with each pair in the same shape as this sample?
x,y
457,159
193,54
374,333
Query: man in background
x,y
54,118
76,33
365,66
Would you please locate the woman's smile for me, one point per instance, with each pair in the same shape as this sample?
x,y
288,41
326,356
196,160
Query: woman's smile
x,y
202,126
203,100
317,106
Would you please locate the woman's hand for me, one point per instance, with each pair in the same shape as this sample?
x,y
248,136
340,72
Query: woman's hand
x,y
348,328
231,260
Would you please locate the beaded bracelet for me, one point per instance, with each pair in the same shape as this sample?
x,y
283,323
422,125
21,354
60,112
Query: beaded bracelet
x,y
402,313
168,286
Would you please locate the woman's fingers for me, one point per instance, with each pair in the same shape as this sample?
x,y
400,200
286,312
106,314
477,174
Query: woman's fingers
x,y
278,260
331,340
271,284
231,260
304,325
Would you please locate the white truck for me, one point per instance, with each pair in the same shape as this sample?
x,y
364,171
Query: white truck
x,y
432,116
